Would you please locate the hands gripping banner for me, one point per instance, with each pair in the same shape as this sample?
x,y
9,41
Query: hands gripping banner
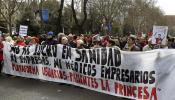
x,y
135,75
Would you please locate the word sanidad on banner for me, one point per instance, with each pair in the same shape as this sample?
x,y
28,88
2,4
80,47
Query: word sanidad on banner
x,y
100,69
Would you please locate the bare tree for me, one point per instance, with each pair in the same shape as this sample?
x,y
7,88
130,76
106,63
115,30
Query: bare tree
x,y
80,24
110,11
143,15
60,16
8,9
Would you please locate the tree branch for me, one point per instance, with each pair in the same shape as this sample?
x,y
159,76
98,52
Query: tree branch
x,y
85,12
74,13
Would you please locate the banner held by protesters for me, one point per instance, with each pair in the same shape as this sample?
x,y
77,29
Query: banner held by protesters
x,y
106,70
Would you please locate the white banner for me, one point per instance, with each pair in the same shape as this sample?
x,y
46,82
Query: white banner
x,y
135,75
23,30
159,35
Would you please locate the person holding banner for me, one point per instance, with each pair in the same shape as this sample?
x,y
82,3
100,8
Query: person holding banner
x,y
80,44
50,39
149,46
64,40
20,41
34,41
131,45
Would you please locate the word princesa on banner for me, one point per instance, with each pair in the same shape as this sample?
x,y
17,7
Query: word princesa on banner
x,y
106,70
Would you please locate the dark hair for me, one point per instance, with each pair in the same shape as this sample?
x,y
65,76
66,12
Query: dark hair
x,y
132,38
75,37
112,42
43,37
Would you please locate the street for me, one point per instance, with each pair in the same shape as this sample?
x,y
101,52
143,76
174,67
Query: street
x,y
17,88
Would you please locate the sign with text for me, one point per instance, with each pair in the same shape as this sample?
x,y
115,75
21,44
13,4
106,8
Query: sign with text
x,y
133,75
23,30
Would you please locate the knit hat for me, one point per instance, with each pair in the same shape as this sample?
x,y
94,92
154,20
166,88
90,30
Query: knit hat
x,y
50,35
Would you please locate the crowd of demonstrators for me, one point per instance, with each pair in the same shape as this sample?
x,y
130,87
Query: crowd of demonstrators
x,y
83,41
127,43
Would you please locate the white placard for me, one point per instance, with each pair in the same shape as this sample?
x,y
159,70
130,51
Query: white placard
x,y
23,30
159,35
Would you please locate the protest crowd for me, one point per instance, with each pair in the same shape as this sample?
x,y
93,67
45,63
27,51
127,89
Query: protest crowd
x,y
82,42
137,42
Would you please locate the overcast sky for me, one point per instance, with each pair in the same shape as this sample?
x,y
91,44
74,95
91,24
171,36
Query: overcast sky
x,y
168,6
